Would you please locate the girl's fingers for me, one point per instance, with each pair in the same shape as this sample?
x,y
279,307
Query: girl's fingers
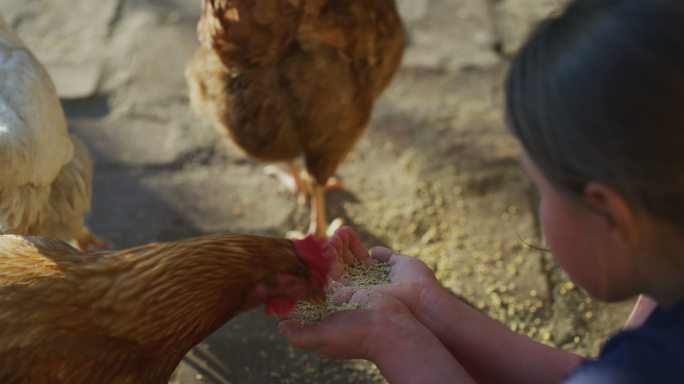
x,y
337,250
333,286
365,298
335,241
344,245
348,333
316,336
352,243
381,253
343,237
342,295
388,255
308,337
357,249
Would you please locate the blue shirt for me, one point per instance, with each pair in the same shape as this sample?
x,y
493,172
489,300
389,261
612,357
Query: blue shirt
x,y
653,353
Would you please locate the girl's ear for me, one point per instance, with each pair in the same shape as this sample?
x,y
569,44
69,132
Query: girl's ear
x,y
617,215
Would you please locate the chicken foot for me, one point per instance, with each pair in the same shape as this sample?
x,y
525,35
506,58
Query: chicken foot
x,y
307,189
319,219
86,240
319,226
294,181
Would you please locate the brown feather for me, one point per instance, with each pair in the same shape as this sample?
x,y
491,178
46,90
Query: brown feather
x,y
287,78
126,316
248,33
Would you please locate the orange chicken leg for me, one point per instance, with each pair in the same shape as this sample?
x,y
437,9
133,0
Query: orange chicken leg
x,y
294,182
306,187
319,219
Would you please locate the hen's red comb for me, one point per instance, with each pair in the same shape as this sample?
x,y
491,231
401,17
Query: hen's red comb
x,y
310,250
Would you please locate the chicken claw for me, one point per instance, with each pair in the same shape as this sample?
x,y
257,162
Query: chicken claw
x,y
86,240
334,226
292,182
333,184
320,233
295,181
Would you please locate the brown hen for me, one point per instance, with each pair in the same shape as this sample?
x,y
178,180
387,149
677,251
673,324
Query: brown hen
x,y
130,316
285,78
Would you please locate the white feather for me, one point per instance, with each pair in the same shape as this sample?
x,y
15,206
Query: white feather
x,y
35,145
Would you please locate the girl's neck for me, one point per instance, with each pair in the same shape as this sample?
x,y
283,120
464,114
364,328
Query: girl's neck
x,y
661,262
667,289
663,280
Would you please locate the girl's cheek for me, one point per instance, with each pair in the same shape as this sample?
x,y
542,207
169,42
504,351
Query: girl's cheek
x,y
550,231
545,222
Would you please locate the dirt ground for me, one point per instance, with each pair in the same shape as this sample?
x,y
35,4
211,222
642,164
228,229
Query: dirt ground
x,y
435,176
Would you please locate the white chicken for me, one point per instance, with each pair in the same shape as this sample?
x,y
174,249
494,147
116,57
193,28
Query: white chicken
x,y
45,173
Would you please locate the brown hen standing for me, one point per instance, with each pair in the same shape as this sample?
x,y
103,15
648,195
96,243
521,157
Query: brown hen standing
x,y
130,316
285,78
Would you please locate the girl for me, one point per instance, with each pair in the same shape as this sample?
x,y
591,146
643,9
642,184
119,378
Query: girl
x,y
596,98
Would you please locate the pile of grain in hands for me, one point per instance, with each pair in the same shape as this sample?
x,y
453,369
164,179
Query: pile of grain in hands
x,y
358,275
